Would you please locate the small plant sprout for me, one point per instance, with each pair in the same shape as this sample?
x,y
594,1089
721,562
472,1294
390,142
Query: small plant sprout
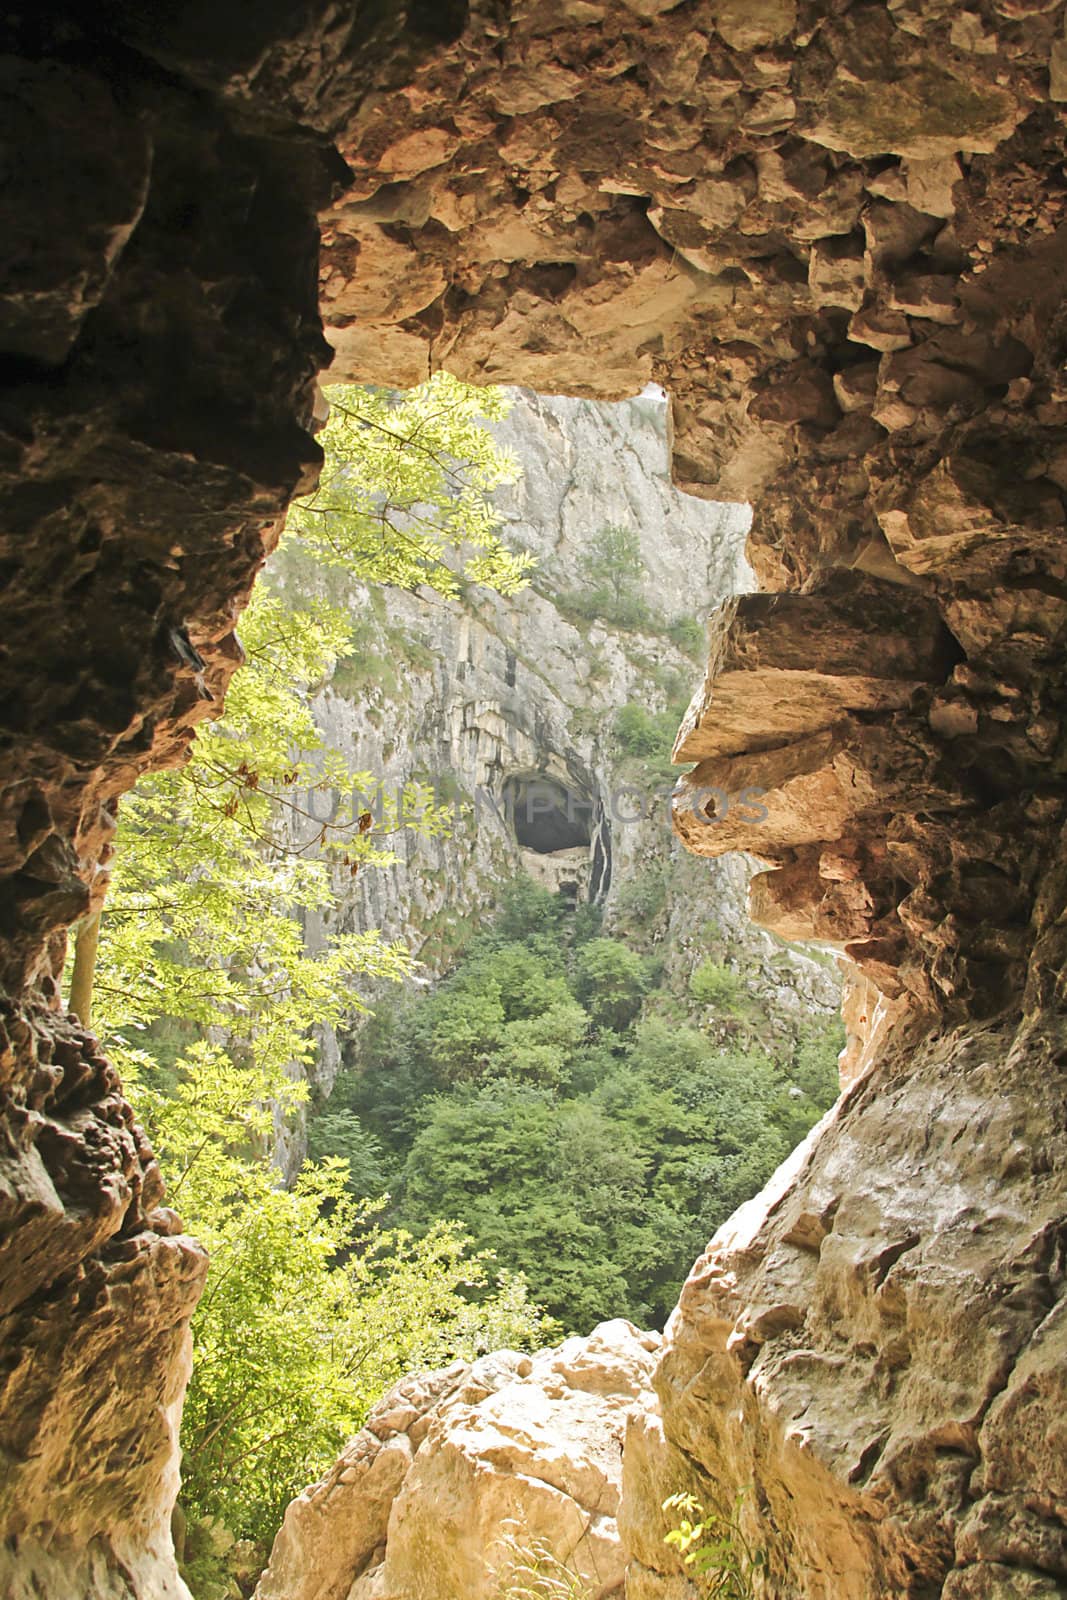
x,y
533,1571
714,1547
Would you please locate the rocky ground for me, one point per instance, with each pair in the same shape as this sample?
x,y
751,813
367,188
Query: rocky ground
x,y
462,1476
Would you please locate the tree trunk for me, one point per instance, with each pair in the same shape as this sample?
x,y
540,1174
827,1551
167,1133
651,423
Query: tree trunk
x,y
86,940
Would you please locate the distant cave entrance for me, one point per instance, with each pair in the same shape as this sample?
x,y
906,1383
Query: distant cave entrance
x,y
558,830
546,816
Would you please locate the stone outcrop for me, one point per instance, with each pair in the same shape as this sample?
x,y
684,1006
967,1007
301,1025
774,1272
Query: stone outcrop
x,y
835,233
459,1475
882,1343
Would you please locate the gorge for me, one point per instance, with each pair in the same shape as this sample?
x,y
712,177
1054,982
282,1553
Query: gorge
x,y
541,720
834,234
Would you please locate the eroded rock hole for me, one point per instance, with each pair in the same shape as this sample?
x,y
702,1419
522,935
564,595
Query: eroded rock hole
x,y
759,203
547,816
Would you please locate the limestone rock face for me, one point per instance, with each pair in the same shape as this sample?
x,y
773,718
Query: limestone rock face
x,y
455,1471
478,695
882,1344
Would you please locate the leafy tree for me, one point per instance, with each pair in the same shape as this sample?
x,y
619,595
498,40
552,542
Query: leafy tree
x,y
541,1049
467,1027
311,1309
341,1135
215,860
496,1004
613,568
407,482
611,980
208,998
527,912
394,1077
551,1182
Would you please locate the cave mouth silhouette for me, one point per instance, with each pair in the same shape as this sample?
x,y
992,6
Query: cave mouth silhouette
x,y
547,815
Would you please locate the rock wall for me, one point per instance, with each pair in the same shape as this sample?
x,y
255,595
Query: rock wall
x,y
160,341
463,1476
874,1350
835,233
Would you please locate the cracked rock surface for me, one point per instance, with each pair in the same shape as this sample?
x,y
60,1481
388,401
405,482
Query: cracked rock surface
x,y
457,1471
882,1342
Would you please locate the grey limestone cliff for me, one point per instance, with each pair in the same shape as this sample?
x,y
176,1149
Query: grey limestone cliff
x,y
509,710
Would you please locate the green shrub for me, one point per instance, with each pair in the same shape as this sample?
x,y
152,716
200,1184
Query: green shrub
x,y
715,1549
611,981
715,985
648,737
689,636
638,731
641,899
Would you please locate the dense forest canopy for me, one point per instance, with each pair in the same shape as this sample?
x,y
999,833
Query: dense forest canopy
x,y
537,1097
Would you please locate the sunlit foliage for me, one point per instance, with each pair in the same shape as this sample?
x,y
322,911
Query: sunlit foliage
x,y
532,1100
208,996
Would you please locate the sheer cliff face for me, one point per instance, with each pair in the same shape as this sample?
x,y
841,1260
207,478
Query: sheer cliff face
x,y
480,696
836,236
506,710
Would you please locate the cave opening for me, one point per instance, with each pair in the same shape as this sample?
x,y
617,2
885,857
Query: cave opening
x,y
841,237
547,816
573,744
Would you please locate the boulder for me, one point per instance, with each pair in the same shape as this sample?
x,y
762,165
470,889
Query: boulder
x,y
463,1476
